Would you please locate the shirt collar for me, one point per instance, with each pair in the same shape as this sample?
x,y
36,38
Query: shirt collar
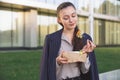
x,y
65,38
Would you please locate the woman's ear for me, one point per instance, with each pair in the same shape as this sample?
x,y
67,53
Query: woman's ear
x,y
58,20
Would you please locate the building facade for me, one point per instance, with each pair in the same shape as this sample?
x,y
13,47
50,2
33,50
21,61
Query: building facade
x,y
25,23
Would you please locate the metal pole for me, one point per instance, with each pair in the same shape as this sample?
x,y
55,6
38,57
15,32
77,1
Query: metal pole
x,y
91,19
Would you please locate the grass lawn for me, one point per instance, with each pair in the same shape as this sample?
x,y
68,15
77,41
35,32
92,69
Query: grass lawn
x,y
108,58
24,65
20,65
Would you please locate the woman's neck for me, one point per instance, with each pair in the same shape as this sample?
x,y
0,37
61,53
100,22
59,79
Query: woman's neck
x,y
69,34
65,31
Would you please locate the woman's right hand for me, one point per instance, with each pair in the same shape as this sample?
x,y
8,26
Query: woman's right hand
x,y
60,59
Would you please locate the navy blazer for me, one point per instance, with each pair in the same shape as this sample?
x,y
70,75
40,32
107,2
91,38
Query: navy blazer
x,y
50,52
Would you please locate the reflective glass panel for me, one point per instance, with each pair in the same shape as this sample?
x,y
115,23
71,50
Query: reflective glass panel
x,y
11,28
47,24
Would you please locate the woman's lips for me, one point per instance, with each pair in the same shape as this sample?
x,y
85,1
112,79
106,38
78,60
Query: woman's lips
x,y
72,24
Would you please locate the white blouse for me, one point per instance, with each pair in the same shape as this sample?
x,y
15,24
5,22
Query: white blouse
x,y
69,70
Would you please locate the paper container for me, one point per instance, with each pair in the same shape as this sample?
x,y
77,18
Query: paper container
x,y
74,56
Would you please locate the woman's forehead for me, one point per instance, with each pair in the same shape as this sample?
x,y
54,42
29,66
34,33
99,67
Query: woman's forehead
x,y
68,10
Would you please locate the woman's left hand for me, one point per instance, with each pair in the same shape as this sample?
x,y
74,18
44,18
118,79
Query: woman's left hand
x,y
89,47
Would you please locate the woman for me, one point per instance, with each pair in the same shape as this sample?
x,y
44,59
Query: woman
x,y
56,67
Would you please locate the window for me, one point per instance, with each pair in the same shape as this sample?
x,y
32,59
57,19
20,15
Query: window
x,y
11,28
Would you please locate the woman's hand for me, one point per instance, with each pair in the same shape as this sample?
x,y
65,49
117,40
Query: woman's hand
x,y
60,59
89,47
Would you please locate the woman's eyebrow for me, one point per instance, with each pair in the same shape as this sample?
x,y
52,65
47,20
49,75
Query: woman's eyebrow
x,y
72,13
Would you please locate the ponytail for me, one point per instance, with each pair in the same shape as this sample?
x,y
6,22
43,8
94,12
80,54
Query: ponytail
x,y
77,40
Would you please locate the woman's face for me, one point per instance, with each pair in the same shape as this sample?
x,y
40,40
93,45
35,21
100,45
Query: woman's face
x,y
68,17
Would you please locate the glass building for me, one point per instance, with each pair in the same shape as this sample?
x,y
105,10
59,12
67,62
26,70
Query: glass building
x,y
25,23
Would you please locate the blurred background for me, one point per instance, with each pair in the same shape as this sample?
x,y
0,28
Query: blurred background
x,y
25,23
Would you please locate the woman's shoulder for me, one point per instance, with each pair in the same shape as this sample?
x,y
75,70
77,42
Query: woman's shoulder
x,y
87,36
55,34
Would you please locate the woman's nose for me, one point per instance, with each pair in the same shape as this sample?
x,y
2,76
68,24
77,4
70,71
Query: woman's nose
x,y
70,19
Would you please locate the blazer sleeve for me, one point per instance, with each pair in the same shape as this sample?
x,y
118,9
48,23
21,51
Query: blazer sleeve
x,y
93,71
44,60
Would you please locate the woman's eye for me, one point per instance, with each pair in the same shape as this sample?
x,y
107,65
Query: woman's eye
x,y
73,15
65,18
